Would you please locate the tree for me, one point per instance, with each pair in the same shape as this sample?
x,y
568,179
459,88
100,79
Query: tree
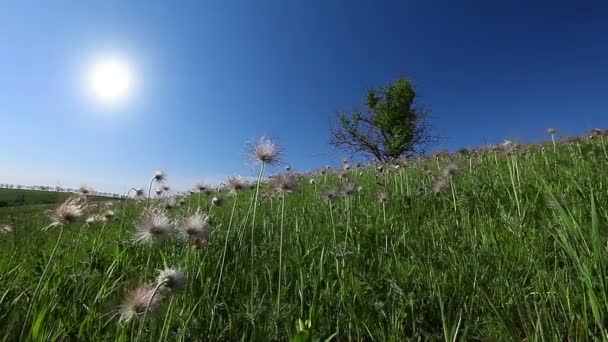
x,y
391,126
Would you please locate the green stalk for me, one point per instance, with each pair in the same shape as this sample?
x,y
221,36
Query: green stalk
x,y
281,252
46,267
255,206
143,321
219,281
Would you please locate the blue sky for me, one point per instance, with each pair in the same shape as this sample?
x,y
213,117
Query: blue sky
x,y
212,76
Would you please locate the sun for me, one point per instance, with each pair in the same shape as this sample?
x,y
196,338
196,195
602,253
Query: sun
x,y
110,80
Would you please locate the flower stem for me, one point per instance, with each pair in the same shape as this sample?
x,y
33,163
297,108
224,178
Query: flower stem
x,y
281,252
255,206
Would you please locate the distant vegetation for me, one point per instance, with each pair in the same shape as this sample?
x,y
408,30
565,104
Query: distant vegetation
x,y
499,243
15,197
392,125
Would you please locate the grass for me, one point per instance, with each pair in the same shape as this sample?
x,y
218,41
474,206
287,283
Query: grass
x,y
513,249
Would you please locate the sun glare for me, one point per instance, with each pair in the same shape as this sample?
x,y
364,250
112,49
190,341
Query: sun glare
x,y
110,80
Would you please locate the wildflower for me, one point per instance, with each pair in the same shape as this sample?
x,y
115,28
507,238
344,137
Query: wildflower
x,y
440,184
171,279
195,226
551,131
159,176
330,195
138,302
91,220
283,184
140,193
5,229
170,203
86,190
265,151
69,211
383,197
450,170
158,191
216,202
349,188
165,188
154,228
202,187
346,167
236,183
109,214
287,168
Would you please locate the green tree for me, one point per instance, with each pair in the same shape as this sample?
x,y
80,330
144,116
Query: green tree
x,y
392,125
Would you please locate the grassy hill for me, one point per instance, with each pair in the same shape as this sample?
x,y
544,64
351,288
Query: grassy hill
x,y
505,244
20,197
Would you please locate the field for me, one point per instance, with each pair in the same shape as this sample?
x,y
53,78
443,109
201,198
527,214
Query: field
x,y
20,197
508,243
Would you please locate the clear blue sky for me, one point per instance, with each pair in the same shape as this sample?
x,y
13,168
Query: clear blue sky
x,y
214,75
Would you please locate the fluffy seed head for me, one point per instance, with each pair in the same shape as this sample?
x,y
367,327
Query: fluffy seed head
x,y
165,188
383,197
440,184
330,195
158,191
201,187
171,279
109,214
86,190
160,176
236,183
155,227
551,131
140,193
5,229
265,151
137,303
69,211
216,202
349,188
91,220
195,226
450,170
283,184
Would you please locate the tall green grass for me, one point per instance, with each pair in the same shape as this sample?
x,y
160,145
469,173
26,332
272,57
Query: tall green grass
x,y
515,249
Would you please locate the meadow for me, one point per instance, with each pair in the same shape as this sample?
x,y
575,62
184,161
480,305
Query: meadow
x,y
20,197
507,242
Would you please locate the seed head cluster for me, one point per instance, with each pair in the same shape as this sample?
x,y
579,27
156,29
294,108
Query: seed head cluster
x,y
154,228
265,151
